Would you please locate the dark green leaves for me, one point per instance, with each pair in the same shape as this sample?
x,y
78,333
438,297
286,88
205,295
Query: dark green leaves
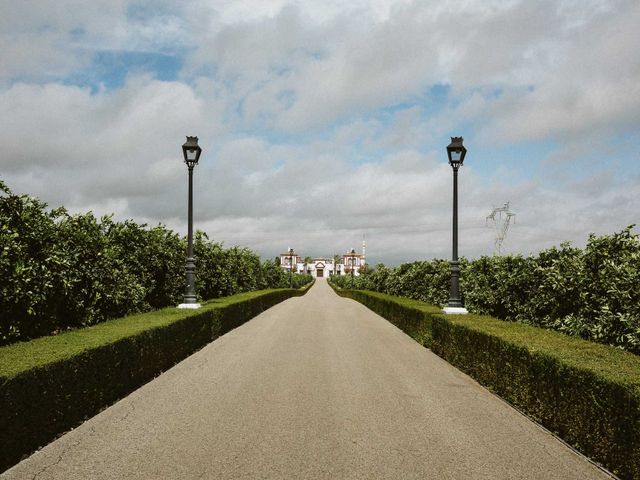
x,y
593,293
62,271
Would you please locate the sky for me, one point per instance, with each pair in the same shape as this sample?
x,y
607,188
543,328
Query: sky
x,y
323,122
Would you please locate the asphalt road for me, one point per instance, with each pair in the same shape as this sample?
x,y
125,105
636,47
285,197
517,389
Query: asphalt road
x,y
317,387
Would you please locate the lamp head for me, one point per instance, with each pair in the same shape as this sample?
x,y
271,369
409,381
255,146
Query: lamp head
x,y
191,151
456,152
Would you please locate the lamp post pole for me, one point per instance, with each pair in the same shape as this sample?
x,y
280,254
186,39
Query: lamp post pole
x,y
191,152
190,291
291,268
456,152
353,266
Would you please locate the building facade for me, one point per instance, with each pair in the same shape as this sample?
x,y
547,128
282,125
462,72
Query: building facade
x,y
325,267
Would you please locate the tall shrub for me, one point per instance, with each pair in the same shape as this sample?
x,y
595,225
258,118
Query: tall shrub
x,y
593,292
29,266
62,271
96,284
609,307
155,256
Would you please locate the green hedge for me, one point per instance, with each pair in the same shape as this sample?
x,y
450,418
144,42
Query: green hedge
x,y
591,293
588,394
52,384
62,271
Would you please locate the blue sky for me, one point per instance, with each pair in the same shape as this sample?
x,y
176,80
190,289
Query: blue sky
x,y
110,69
322,122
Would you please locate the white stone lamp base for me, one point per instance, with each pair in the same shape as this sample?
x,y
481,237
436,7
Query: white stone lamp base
x,y
455,310
189,305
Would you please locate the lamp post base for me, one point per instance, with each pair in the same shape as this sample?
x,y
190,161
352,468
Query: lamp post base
x,y
189,305
455,310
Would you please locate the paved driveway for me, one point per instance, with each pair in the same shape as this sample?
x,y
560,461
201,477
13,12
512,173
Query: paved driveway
x,y
317,387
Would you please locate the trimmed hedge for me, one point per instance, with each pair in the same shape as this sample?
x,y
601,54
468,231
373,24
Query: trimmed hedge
x,y
587,393
52,384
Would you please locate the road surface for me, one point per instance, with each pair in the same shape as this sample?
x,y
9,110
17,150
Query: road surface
x,y
317,387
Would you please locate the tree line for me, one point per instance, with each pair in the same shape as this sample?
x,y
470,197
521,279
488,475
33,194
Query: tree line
x,y
591,292
62,271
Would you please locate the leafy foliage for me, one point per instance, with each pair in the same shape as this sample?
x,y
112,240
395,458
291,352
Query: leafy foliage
x,y
62,271
592,293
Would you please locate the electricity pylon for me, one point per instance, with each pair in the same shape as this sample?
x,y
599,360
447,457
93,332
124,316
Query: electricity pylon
x,y
501,219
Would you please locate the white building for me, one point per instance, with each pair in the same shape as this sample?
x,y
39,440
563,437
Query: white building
x,y
322,267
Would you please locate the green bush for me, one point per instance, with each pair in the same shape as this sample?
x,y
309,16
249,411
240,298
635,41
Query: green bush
x,y
356,283
51,384
30,266
592,293
64,271
424,281
588,394
156,255
95,284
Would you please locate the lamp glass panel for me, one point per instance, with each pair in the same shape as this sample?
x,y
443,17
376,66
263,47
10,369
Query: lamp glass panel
x,y
456,155
192,154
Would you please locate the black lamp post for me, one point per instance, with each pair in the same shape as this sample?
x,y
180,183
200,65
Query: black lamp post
x,y
456,153
353,266
191,152
291,268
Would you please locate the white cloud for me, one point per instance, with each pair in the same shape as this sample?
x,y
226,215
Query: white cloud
x,y
51,40
319,122
560,67
37,38
79,149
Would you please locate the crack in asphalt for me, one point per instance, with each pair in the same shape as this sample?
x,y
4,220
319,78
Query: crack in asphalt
x,y
65,451
130,410
58,460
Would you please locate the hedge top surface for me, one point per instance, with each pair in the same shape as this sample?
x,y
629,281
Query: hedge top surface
x,y
23,356
611,362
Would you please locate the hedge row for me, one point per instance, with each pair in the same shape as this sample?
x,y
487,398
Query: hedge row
x,y
62,271
588,394
591,292
52,384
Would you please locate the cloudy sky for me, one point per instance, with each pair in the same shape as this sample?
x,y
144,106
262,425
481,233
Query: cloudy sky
x,y
323,121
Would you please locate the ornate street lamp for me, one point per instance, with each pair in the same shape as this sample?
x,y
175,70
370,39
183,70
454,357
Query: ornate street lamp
x,y
352,256
291,268
456,153
191,152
